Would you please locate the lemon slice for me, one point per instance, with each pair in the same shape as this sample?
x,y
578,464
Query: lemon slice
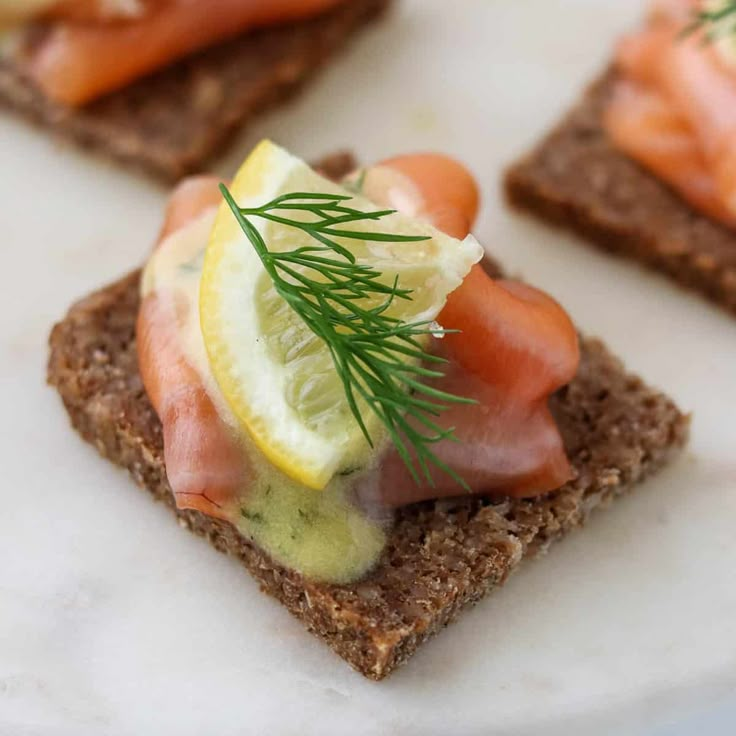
x,y
276,375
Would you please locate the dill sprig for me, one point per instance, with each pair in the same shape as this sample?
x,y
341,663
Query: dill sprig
x,y
715,21
377,357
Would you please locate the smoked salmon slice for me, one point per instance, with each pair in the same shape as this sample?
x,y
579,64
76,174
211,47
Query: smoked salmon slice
x,y
515,346
650,130
675,110
205,464
76,62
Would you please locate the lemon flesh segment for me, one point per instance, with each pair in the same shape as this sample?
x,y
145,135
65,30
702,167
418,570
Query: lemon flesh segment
x,y
275,374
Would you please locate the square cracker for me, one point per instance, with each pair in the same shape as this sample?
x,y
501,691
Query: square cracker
x,y
441,555
174,122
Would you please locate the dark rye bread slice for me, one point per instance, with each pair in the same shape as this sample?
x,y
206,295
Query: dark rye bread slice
x,y
174,122
578,179
441,556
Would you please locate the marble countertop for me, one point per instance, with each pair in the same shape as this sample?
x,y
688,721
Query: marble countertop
x,y
115,621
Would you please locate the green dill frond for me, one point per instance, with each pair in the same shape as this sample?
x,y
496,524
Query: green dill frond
x,y
379,359
715,21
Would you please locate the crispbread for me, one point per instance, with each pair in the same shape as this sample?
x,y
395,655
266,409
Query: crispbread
x,y
174,122
441,556
576,178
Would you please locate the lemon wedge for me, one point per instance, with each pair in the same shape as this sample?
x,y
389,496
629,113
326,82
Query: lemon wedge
x,y
276,375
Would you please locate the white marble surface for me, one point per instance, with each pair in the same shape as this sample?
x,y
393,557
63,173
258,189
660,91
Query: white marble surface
x,y
115,621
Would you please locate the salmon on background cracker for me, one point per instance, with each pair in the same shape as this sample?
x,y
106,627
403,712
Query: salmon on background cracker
x,y
164,85
77,62
645,165
675,111
649,129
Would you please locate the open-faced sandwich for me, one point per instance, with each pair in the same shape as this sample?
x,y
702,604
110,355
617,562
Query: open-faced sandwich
x,y
315,372
162,84
645,163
